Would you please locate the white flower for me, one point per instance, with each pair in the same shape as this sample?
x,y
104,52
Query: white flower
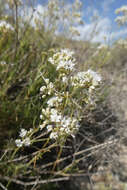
x,y
63,60
96,78
65,79
67,52
69,125
31,130
43,96
18,142
82,78
23,133
54,101
54,111
123,18
46,111
64,125
50,88
121,9
55,118
4,24
51,101
54,135
68,131
91,89
41,116
47,81
51,60
43,88
43,125
49,128
26,141
68,65
66,122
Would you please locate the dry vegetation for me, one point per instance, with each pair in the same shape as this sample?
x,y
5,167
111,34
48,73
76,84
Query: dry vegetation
x,y
93,158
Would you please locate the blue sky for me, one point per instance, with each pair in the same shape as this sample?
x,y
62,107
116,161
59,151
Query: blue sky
x,y
107,27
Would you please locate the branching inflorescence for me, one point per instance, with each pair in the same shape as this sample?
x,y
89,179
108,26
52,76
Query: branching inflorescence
x,y
64,98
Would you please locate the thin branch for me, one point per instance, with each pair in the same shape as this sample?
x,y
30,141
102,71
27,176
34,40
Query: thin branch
x,y
2,186
34,182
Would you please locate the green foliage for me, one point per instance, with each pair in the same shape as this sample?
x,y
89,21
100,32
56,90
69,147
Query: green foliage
x,y
19,86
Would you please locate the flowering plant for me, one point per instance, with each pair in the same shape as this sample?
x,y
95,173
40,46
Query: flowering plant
x,y
64,97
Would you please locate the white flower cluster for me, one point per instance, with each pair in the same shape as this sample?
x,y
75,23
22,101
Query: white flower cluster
x,y
63,60
5,25
47,89
121,19
121,9
66,126
54,101
84,79
64,79
24,139
58,125
58,117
